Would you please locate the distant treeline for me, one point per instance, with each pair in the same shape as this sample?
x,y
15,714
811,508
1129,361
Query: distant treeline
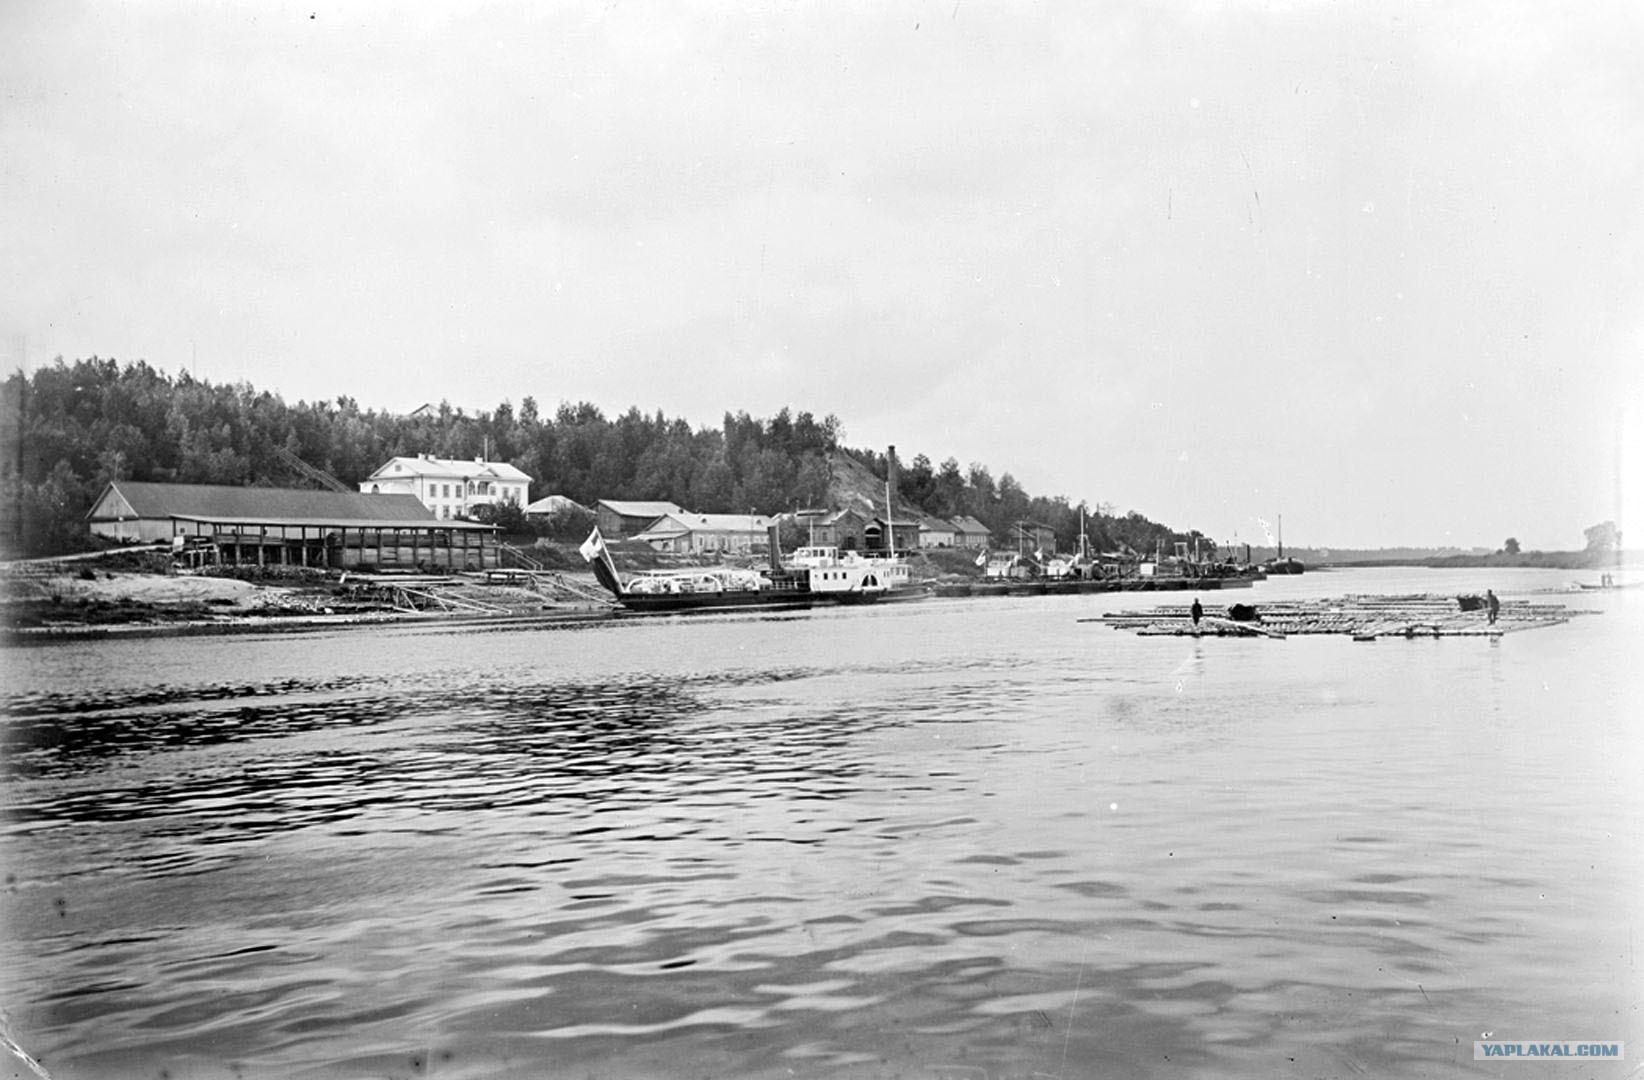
x,y
68,428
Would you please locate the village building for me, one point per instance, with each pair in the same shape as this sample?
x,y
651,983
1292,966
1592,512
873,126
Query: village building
x,y
969,533
450,488
936,533
682,533
1033,537
904,534
257,526
843,529
619,519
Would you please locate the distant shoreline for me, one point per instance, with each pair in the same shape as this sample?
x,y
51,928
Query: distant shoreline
x,y
1594,562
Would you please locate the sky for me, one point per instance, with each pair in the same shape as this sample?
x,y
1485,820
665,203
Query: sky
x,y
1373,267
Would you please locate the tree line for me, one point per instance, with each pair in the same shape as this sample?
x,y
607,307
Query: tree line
x,y
67,429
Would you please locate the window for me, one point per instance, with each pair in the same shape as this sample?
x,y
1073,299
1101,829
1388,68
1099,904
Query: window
x,y
447,488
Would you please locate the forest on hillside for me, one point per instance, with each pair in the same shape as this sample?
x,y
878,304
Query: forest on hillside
x,y
67,429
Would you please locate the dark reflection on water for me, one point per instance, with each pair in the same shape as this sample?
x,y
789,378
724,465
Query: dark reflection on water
x,y
527,748
48,734
951,848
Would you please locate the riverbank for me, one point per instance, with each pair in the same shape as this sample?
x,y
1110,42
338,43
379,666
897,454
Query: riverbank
x,y
68,601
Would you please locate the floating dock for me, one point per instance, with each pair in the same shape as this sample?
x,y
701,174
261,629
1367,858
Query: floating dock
x,y
1364,618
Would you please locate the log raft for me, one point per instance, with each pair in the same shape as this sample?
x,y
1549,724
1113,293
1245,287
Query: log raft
x,y
1364,618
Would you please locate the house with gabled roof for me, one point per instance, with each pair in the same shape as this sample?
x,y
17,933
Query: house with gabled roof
x,y
969,533
290,527
844,529
935,533
685,533
450,487
886,534
619,518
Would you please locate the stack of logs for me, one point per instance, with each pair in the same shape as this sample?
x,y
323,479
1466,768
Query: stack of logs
x,y
1365,618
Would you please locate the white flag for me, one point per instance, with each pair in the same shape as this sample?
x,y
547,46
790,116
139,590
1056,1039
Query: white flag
x,y
982,559
593,547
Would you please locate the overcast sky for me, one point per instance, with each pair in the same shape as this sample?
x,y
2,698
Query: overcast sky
x,y
1372,266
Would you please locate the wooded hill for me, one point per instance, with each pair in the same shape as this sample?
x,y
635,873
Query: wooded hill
x,y
68,428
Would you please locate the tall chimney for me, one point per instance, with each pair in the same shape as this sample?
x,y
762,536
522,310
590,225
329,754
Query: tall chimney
x,y
890,500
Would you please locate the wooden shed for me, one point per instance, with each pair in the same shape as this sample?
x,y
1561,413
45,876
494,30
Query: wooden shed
x,y
290,527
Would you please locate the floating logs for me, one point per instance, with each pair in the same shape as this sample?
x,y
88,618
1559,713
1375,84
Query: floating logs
x,y
1364,618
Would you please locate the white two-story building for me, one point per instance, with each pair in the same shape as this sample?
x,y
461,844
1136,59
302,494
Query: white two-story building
x,y
451,489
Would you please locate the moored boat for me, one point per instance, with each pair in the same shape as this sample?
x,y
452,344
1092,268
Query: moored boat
x,y
849,576
816,575
712,589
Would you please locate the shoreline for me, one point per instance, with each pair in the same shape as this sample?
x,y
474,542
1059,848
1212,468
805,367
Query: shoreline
x,y
252,625
66,607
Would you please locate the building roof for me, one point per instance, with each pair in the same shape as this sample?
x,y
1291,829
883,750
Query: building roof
x,y
427,465
553,504
935,524
640,509
969,524
128,499
673,525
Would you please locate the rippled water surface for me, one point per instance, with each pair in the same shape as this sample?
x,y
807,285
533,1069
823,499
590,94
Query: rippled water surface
x,y
969,838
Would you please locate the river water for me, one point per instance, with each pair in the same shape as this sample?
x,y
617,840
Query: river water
x,y
961,839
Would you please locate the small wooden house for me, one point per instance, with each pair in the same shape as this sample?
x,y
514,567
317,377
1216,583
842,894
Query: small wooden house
x,y
844,529
618,519
936,533
904,534
1031,536
698,534
969,533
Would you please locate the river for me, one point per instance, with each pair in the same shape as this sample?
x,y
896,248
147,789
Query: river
x,y
961,839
